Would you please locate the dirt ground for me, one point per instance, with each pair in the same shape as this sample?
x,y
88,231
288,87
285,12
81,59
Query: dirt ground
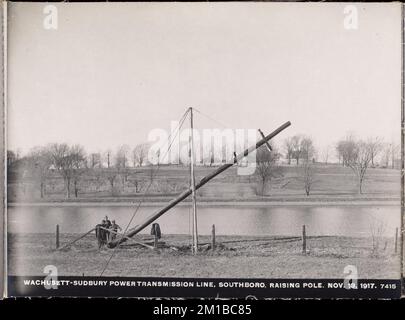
x,y
234,256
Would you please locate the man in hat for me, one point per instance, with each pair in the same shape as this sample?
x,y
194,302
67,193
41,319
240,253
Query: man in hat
x,y
100,234
107,226
114,227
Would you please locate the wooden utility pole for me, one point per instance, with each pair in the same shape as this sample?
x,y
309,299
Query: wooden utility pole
x,y
193,196
57,236
185,194
304,240
213,237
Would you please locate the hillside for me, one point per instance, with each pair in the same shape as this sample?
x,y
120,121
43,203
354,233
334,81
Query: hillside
x,y
331,183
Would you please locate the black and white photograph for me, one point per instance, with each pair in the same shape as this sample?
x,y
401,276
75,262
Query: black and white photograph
x,y
204,149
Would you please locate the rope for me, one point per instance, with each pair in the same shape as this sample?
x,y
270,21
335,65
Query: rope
x,y
147,189
222,124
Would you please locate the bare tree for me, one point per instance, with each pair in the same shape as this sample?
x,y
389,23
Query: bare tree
x,y
61,160
375,145
299,147
110,174
307,176
94,160
346,150
307,149
98,180
140,154
266,168
121,156
289,150
360,161
377,230
394,154
121,159
296,147
135,181
386,155
11,158
152,170
325,154
67,160
40,162
79,166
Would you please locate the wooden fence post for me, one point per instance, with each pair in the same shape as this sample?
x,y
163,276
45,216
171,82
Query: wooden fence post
x,y
57,236
396,241
304,240
213,237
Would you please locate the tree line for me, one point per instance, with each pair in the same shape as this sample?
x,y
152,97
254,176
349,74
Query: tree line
x,y
357,154
71,162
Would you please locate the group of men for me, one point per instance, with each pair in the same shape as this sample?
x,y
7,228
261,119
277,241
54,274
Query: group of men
x,y
106,231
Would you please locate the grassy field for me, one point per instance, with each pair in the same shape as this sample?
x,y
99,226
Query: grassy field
x,y
235,256
332,183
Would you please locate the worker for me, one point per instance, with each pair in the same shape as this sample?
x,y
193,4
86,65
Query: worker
x,y
108,222
106,225
155,230
114,227
100,234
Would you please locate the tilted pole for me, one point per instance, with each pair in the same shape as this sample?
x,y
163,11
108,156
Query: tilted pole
x,y
202,182
193,196
57,236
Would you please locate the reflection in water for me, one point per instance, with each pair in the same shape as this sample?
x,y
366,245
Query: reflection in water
x,y
272,220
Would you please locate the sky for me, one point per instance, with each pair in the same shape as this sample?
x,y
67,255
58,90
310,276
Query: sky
x,y
112,72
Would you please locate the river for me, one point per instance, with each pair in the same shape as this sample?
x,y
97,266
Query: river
x,y
345,220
